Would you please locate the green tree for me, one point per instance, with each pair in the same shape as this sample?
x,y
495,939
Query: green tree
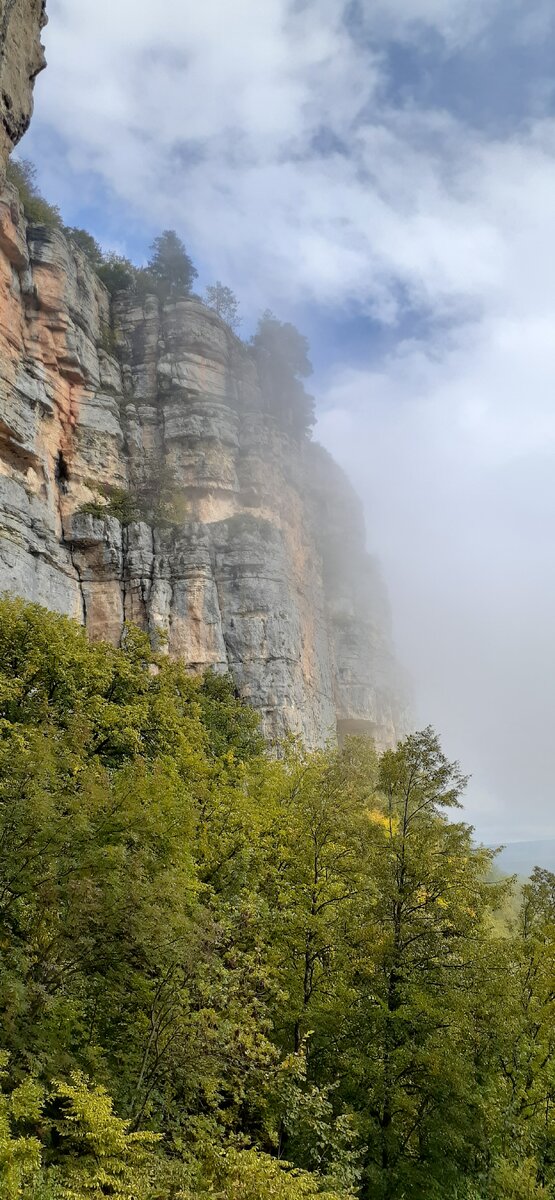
x,y
523,1093
117,273
23,175
169,266
291,967
224,302
85,241
105,770
281,354
282,342
20,1150
413,1018
249,1175
321,839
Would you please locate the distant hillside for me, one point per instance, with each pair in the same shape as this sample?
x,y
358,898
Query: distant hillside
x,y
520,858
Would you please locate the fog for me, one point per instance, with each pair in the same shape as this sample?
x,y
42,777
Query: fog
x,y
466,546
382,173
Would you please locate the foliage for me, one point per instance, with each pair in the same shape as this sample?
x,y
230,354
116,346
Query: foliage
x,y
413,1018
281,341
23,175
87,244
156,498
226,975
158,494
249,1175
281,354
79,1150
117,273
108,340
224,302
170,269
112,501
245,524
20,1153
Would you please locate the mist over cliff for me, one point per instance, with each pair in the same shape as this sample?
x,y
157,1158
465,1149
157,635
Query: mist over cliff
x,y
250,558
360,169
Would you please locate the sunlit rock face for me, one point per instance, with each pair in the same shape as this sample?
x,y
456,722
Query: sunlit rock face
x,y
262,568
258,566
21,59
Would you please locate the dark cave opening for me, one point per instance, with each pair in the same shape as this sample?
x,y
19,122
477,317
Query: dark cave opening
x,y
61,472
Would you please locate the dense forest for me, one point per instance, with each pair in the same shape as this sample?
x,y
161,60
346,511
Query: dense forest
x,y
237,975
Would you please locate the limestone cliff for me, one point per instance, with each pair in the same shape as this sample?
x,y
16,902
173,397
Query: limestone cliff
x,y
259,564
21,59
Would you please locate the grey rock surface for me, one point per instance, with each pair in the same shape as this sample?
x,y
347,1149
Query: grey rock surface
x,y
144,477
21,59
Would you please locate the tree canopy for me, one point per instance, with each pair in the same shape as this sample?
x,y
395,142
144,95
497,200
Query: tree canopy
x,y
88,244
226,975
23,175
224,302
170,267
281,354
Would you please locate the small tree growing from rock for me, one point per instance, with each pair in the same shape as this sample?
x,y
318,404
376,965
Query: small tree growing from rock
x,y
23,175
117,273
87,243
170,267
224,302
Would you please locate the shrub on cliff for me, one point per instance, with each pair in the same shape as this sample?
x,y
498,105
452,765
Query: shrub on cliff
x,y
87,244
117,273
37,210
157,498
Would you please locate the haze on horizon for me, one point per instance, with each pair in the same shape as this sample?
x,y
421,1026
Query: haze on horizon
x,y
383,174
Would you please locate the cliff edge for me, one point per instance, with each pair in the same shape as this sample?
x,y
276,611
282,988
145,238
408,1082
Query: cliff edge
x,y
235,538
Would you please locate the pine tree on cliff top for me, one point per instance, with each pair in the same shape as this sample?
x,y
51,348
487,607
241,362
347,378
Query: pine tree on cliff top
x,y
170,266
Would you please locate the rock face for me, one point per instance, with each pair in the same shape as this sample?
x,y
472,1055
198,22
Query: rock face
x,y
21,59
236,543
255,561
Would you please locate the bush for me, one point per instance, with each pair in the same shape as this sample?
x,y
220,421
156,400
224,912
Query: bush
x,y
117,273
157,499
112,501
86,243
247,524
107,340
23,175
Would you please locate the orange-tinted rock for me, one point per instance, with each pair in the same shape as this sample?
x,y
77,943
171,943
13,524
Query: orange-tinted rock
x,y
261,566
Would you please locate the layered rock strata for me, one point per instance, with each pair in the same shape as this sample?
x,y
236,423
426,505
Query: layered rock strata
x,y
261,566
250,553
21,59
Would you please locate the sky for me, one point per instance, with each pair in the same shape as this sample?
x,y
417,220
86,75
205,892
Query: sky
x,y
381,172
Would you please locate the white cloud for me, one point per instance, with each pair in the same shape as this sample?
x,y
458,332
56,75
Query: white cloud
x,y
452,447
264,136
459,23
456,21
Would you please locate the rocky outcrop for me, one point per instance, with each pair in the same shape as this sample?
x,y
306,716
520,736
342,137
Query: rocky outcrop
x,y
144,477
249,555
21,59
